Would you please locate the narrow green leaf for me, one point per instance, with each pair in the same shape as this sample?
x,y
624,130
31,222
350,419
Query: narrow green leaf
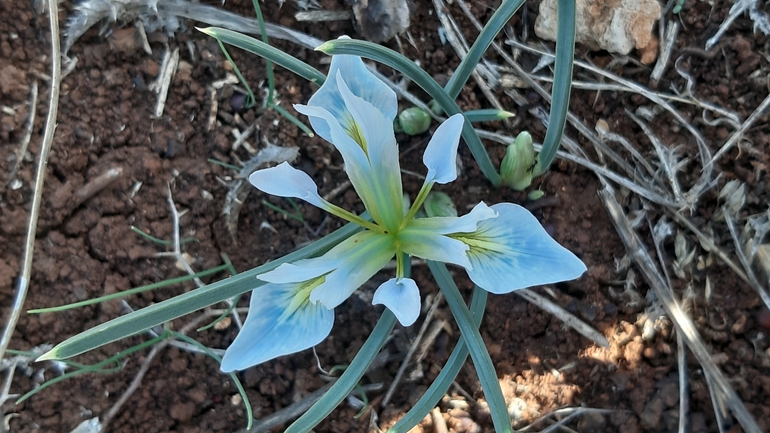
x,y
251,99
444,380
562,83
479,354
493,27
352,375
96,368
268,63
264,50
178,306
400,63
487,115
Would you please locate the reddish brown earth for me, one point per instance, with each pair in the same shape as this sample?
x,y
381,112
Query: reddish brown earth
x,y
88,250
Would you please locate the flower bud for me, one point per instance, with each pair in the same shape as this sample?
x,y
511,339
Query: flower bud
x,y
438,204
536,194
413,121
519,160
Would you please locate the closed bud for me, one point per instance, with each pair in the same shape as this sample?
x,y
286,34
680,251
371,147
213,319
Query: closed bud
x,y
438,204
413,121
519,160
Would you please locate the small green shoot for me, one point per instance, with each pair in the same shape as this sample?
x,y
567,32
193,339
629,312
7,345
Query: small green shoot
x,y
296,215
152,238
130,292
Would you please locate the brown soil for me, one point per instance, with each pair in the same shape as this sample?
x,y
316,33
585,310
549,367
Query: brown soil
x,y
87,249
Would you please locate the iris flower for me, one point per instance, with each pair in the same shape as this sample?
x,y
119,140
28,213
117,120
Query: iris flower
x,y
501,247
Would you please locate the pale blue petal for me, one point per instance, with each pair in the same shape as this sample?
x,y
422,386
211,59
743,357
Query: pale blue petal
x,y
373,187
361,256
284,180
402,297
383,193
353,154
513,251
451,225
429,244
301,270
280,321
361,82
306,269
441,154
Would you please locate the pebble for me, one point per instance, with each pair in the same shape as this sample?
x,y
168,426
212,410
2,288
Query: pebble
x,y
182,412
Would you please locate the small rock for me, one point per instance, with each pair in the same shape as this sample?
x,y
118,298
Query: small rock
x,y
592,422
380,20
670,394
182,412
739,326
612,25
650,416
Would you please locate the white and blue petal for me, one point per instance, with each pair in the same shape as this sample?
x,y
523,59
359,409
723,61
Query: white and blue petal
x,y
402,297
361,82
441,154
428,238
376,180
374,132
359,258
284,180
464,224
513,251
281,321
427,244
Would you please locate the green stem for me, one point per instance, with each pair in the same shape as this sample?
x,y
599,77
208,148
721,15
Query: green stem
x,y
418,201
444,380
97,368
268,63
352,375
562,83
493,27
479,354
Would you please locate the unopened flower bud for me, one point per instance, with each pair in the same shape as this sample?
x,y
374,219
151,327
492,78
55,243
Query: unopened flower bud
x,y
413,121
519,160
438,204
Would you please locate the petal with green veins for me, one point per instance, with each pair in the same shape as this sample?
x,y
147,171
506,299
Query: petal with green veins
x,y
281,320
376,180
362,83
359,257
374,132
402,297
428,237
513,251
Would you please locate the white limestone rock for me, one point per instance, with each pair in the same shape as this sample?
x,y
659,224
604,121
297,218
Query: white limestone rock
x,y
617,26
